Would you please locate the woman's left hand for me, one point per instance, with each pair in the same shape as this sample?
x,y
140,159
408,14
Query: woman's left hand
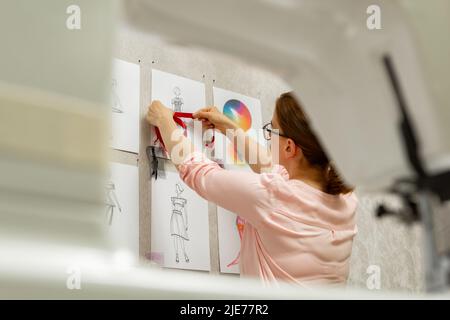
x,y
157,113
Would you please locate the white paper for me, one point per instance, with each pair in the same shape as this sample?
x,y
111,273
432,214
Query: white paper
x,y
181,95
250,122
122,208
229,240
247,112
179,225
125,93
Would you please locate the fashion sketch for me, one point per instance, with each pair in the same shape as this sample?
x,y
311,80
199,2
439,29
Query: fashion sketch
x,y
112,203
179,223
177,101
240,223
116,103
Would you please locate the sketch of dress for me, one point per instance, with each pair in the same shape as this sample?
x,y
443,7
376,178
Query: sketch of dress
x,y
116,103
177,101
179,223
111,201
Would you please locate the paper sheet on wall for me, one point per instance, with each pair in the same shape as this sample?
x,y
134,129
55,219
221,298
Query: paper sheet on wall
x,y
246,112
122,208
125,93
179,225
230,230
181,95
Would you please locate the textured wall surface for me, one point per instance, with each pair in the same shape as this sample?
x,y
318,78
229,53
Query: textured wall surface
x,y
387,244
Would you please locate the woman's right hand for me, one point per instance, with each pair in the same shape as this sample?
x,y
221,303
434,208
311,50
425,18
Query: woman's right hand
x,y
211,116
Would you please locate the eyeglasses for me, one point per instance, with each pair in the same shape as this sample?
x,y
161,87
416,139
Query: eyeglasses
x,y
268,130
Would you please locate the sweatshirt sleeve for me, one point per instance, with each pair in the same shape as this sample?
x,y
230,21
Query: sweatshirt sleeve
x,y
244,193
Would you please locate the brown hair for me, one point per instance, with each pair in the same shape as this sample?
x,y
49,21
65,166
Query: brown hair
x,y
295,125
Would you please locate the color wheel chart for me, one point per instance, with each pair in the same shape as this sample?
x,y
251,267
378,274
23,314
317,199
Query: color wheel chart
x,y
237,111
245,112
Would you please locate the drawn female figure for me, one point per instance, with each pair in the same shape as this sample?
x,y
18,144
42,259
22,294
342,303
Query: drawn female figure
x,y
179,223
111,201
177,101
240,228
116,103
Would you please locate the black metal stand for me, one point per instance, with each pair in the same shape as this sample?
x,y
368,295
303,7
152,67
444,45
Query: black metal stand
x,y
421,194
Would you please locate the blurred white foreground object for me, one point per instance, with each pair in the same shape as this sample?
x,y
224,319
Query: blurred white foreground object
x,y
364,89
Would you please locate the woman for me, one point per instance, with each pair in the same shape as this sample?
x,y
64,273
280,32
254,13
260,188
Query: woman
x,y
300,216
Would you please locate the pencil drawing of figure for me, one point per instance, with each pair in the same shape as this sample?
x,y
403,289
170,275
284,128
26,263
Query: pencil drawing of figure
x,y
240,223
177,101
179,223
111,201
116,103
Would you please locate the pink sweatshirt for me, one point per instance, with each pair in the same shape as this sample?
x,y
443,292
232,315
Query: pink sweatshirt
x,y
293,232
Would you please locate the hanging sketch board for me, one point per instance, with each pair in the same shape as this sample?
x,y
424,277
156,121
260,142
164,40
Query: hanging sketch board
x,y
246,112
125,93
122,207
179,225
243,110
181,95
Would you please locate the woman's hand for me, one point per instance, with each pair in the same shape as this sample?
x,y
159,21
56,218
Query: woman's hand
x,y
211,116
158,114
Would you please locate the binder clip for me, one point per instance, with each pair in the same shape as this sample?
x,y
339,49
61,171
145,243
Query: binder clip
x,y
154,154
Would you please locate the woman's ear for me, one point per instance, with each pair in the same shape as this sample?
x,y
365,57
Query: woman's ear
x,y
292,149
289,147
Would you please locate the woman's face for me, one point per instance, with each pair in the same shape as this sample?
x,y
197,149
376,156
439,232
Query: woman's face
x,y
283,150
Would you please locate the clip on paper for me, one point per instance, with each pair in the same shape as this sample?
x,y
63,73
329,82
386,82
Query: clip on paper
x,y
153,154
